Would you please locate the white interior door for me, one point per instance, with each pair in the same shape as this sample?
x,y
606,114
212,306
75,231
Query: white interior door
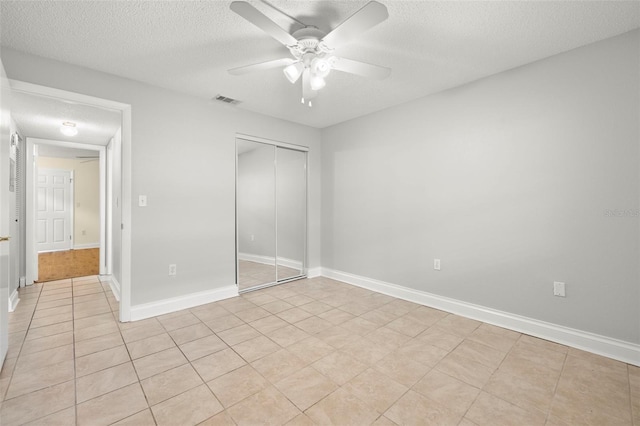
x,y
54,210
14,223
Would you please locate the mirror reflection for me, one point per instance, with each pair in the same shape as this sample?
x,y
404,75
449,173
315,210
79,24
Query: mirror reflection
x,y
291,201
271,202
256,214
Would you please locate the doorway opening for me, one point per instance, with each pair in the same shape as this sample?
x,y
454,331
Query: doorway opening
x,y
65,198
68,213
113,157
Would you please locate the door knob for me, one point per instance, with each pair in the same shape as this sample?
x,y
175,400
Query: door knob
x,y
4,239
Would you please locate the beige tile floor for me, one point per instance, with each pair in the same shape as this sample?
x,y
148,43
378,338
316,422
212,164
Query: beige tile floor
x,y
313,351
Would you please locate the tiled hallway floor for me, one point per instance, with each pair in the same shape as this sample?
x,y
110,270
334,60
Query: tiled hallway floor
x,y
308,352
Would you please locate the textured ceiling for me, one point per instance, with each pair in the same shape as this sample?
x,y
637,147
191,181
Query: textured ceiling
x,y
41,117
188,46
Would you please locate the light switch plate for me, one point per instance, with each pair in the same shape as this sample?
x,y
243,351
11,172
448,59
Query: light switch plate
x,y
558,289
142,201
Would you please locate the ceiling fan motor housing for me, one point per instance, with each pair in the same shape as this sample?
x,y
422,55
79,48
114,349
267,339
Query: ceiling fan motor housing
x,y
309,41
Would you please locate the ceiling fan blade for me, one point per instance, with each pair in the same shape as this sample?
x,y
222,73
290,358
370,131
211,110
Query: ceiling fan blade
x,y
360,68
262,66
258,19
369,16
307,92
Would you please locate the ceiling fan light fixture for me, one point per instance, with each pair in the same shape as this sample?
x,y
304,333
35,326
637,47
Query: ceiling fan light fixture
x,y
312,49
294,71
320,67
69,129
317,82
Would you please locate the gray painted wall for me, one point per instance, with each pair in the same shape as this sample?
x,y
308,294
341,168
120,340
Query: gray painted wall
x,y
183,151
509,181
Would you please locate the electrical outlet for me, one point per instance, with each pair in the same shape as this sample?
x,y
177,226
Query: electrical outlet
x,y
436,264
172,270
558,289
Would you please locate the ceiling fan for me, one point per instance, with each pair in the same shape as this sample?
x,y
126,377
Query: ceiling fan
x,y
312,49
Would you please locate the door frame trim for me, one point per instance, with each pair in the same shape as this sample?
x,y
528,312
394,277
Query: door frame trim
x,y
271,142
125,110
31,182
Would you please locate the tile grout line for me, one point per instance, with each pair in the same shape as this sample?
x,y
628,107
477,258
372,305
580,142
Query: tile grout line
x,y
630,398
20,353
526,409
134,370
555,387
75,373
119,331
6,392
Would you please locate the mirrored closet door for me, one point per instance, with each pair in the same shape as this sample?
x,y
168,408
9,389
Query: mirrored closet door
x,y
271,213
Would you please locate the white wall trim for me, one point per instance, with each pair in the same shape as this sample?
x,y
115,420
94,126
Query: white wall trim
x,y
102,189
113,284
86,246
267,260
272,142
613,348
314,272
14,299
161,307
125,109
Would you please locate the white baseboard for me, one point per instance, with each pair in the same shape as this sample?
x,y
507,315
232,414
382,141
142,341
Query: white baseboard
x,y
267,260
113,283
613,348
14,299
314,272
86,246
161,307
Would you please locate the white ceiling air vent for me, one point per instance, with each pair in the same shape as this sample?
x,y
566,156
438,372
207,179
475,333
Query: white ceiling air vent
x,y
226,100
